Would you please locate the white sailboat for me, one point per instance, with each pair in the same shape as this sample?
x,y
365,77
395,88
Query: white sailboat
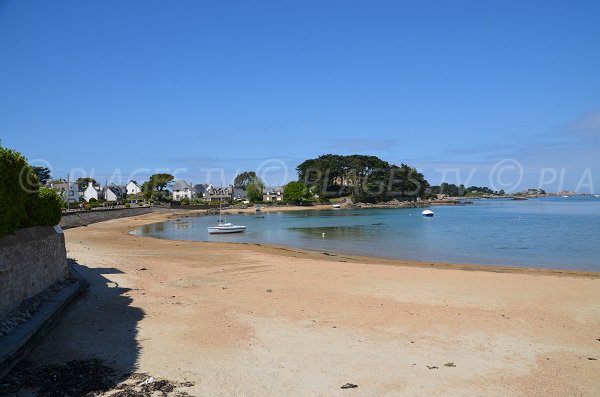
x,y
224,227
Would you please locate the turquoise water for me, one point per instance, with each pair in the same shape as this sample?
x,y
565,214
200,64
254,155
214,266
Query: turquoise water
x,y
552,232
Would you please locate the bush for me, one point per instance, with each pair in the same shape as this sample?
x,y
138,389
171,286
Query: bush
x,y
44,208
18,186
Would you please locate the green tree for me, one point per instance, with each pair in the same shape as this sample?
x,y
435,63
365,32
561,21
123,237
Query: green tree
x,y
42,173
254,190
156,186
82,183
295,191
244,179
366,178
161,181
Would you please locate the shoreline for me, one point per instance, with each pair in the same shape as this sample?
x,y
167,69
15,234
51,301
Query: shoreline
x,y
290,250
197,313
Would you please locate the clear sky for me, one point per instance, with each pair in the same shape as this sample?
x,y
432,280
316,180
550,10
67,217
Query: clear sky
x,y
115,88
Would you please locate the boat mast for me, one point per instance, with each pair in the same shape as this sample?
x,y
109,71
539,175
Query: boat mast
x,y
220,203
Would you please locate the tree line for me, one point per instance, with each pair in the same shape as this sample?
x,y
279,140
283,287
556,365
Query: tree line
x,y
366,179
450,189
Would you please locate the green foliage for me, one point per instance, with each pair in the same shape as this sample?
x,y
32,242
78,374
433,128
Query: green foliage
x,y
13,197
45,208
254,190
295,191
244,179
42,173
156,186
22,203
452,190
366,178
160,181
184,201
82,183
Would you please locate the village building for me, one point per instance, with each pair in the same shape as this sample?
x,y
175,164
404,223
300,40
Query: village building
x,y
133,188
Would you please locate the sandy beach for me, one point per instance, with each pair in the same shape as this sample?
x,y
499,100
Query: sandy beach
x,y
250,320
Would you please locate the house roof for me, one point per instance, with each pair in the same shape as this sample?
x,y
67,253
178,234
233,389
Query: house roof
x,y
239,193
273,190
219,191
117,190
182,185
200,188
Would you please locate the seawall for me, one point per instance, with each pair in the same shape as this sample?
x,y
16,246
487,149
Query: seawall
x,y
84,218
31,260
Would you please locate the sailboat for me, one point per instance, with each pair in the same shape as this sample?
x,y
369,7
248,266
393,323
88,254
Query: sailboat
x,y
224,227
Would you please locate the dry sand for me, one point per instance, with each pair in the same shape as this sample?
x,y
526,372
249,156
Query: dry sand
x,y
248,320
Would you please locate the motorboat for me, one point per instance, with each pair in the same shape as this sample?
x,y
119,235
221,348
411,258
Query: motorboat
x,y
336,205
427,213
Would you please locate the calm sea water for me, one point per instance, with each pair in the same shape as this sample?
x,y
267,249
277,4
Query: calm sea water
x,y
553,232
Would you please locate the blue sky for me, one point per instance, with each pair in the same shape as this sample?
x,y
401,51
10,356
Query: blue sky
x,y
474,92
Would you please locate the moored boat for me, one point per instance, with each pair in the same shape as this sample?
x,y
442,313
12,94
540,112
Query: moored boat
x,y
222,228
225,227
427,213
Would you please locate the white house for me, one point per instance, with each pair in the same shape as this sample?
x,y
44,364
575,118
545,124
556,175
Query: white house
x,y
273,194
133,188
91,192
183,189
112,193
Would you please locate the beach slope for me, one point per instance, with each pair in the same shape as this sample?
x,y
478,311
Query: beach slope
x,y
250,320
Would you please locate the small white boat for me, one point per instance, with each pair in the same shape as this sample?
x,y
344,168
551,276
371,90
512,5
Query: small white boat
x,y
565,196
597,195
427,213
225,227
222,228
337,206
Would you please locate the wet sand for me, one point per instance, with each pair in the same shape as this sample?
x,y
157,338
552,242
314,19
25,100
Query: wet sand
x,y
251,320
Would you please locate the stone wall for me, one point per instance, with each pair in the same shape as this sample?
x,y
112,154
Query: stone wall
x,y
194,206
30,261
84,218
